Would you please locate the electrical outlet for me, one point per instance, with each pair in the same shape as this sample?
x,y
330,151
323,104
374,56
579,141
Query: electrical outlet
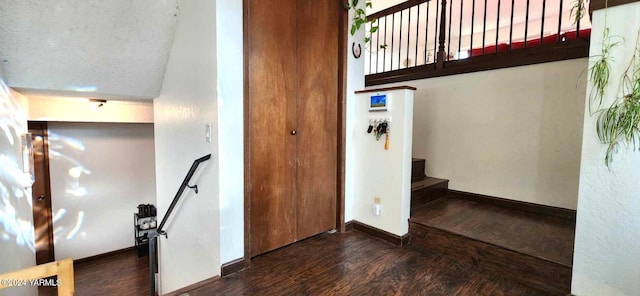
x,y
377,207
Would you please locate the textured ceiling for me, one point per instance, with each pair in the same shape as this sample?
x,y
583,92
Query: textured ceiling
x,y
112,49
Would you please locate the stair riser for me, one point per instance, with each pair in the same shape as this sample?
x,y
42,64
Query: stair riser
x,y
544,275
428,194
417,170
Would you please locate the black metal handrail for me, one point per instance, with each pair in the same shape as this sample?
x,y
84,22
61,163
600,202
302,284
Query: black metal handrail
x,y
153,235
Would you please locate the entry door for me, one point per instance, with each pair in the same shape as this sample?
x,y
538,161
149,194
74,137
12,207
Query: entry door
x,y
292,88
41,194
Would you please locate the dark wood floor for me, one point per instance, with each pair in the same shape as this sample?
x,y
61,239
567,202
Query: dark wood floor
x,y
327,264
117,274
537,235
356,264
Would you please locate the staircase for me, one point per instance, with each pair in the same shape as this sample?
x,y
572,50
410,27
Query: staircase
x,y
529,243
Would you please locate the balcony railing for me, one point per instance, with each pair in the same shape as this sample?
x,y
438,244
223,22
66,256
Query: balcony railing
x,y
429,38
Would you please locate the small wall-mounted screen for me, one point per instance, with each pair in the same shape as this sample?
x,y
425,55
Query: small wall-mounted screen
x,y
378,103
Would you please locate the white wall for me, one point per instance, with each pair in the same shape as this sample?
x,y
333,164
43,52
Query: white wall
x,y
54,108
607,244
188,100
383,173
230,128
355,82
513,133
16,217
99,174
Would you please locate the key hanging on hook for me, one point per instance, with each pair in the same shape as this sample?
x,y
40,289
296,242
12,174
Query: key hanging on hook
x,y
370,128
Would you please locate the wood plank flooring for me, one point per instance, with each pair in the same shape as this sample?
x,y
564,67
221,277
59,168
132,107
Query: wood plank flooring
x,y
541,236
118,274
328,264
356,264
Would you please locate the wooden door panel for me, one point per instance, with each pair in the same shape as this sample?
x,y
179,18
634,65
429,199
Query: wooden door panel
x,y
271,112
41,195
317,86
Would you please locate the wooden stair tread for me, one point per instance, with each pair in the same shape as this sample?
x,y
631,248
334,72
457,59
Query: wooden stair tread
x,y
532,234
427,182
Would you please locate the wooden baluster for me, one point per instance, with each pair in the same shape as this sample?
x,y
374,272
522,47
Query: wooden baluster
x,y
408,36
377,46
426,34
393,30
400,42
578,28
526,24
484,26
544,4
473,16
443,18
460,29
449,40
558,39
384,51
497,26
415,59
513,3
436,35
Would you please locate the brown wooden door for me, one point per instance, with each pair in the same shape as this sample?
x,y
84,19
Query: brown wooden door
x,y
292,77
41,194
317,74
272,117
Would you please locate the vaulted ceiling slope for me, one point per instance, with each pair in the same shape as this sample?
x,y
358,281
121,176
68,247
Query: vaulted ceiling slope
x,y
111,49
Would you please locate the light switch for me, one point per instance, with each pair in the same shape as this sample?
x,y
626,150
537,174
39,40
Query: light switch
x,y
207,132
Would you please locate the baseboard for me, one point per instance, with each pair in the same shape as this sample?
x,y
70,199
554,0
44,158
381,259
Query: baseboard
x,y
517,205
233,267
348,226
100,256
193,286
379,233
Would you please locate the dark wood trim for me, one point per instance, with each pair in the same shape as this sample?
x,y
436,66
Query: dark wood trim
x,y
348,226
517,205
247,136
601,4
393,9
193,286
44,128
573,49
343,42
381,234
232,267
381,89
103,255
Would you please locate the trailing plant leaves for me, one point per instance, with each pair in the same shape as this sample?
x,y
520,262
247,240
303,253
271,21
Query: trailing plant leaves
x,y
577,11
620,122
600,70
360,18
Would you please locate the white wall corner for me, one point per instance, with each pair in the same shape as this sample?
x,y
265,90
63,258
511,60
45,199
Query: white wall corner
x,y
607,241
355,82
187,101
229,18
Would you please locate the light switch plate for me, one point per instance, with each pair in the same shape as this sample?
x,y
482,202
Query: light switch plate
x,y
207,132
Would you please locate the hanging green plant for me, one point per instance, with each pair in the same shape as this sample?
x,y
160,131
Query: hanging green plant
x,y
578,11
621,121
360,18
600,70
